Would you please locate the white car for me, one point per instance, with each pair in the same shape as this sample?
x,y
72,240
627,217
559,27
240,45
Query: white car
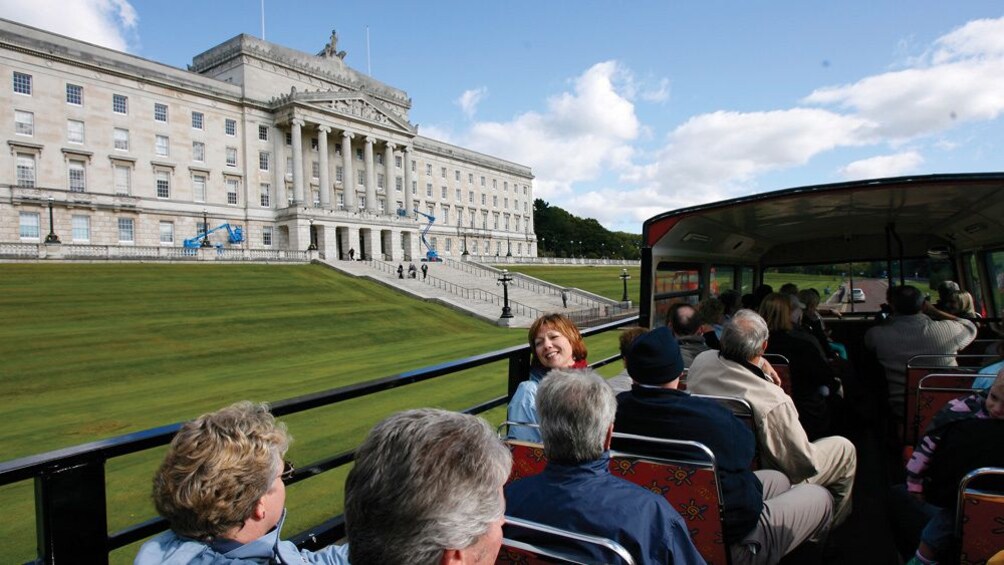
x,y
857,295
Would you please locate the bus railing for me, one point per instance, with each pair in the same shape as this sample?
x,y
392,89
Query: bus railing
x,y
71,513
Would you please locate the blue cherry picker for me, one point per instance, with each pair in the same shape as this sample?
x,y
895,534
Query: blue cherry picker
x,y
234,235
430,254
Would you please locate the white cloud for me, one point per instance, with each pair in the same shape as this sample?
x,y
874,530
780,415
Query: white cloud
x,y
658,93
470,99
883,166
102,22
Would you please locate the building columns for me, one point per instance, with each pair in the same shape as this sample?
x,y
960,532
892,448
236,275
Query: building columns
x,y
371,201
322,149
348,179
406,163
297,160
388,178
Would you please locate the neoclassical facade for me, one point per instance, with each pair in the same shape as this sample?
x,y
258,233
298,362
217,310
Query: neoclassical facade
x,y
293,148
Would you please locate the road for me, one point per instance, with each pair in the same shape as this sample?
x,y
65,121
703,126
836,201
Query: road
x,y
874,290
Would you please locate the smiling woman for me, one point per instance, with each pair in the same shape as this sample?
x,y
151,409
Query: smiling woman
x,y
556,344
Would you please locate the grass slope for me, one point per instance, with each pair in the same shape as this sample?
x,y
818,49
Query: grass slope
x,y
94,351
601,280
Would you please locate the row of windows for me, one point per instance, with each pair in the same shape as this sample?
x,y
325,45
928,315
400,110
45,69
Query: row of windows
x,y
80,229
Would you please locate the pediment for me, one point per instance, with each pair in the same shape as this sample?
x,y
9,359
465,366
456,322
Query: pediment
x,y
355,106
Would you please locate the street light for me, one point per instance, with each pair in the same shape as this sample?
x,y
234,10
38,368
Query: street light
x,y
52,238
508,245
313,245
505,279
205,229
624,277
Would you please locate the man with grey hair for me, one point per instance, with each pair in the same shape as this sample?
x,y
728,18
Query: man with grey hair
x,y
426,489
577,492
739,370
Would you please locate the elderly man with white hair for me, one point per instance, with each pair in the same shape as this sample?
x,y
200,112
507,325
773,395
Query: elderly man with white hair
x,y
577,492
739,370
426,489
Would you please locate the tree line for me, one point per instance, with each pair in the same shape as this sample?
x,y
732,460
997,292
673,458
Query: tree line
x,y
561,234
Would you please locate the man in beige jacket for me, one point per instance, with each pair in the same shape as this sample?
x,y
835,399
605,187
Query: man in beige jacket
x,y
739,370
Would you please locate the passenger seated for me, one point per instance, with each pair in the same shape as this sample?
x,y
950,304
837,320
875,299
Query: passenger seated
x,y
221,490
915,328
685,324
947,299
740,370
991,369
555,343
941,458
576,490
622,381
711,311
813,323
765,516
426,489
814,384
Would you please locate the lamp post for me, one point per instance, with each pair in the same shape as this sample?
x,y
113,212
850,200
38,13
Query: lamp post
x,y
504,280
205,229
582,250
624,277
508,245
571,249
52,238
313,245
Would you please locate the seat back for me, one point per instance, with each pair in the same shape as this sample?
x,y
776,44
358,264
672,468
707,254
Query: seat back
x,y
741,409
552,545
933,393
783,368
979,518
918,367
528,458
688,480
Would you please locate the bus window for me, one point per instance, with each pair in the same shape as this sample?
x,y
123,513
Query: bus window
x,y
675,282
996,268
722,278
746,280
974,283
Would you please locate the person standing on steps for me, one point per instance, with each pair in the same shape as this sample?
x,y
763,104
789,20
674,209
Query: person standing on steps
x,y
425,271
564,298
412,272
352,254
400,271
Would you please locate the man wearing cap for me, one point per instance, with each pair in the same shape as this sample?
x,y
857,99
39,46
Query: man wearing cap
x,y
765,517
740,370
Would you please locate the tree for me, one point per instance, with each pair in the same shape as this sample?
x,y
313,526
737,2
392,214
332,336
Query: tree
x,y
561,234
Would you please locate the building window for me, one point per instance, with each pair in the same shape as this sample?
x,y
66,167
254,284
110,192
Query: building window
x,y
362,177
232,185
362,202
77,176
230,127
379,158
524,190
446,214
495,221
447,244
266,236
120,104
428,189
519,248
121,174
495,201
457,195
262,133
414,188
74,95
22,83
381,205
359,154
81,228
524,208
413,166
470,178
121,137
442,192
428,169
505,222
397,161
505,186
29,225
470,196
231,156
198,152
126,234
338,173
315,169
506,203
199,188
163,181
482,181
74,131
340,200
380,181
24,123
198,120
484,199
400,206
265,190
338,149
398,184
456,175
442,172
26,170
160,112
263,160
289,165
167,233
289,138
313,144
495,184
162,146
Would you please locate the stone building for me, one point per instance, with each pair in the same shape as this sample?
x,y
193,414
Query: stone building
x,y
293,148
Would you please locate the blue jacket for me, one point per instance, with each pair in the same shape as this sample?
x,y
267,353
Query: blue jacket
x,y
675,414
586,498
171,549
523,407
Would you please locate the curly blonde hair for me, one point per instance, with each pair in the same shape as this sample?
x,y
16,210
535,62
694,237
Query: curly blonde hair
x,y
217,469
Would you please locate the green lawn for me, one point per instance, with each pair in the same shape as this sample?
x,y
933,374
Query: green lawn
x,y
95,351
601,280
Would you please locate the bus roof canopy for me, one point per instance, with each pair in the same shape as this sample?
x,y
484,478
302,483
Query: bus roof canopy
x,y
837,222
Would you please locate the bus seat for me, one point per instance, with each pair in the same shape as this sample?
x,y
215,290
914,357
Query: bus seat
x,y
934,391
918,367
741,409
979,518
689,482
551,545
527,457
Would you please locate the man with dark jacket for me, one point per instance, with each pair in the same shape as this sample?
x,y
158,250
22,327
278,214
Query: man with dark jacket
x,y
765,516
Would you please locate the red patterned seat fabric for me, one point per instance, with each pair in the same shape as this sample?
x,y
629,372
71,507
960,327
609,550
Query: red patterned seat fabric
x,y
982,527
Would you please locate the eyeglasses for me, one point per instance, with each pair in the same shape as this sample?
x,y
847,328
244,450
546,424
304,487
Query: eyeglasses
x,y
287,472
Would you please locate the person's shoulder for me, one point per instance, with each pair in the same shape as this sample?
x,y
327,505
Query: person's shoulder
x,y
168,548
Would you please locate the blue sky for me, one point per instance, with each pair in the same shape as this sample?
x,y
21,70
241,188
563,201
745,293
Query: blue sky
x,y
628,109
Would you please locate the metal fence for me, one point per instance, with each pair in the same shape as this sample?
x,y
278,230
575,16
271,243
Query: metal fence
x,y
70,502
83,252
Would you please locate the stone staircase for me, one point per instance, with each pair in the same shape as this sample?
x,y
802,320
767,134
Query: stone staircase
x,y
474,288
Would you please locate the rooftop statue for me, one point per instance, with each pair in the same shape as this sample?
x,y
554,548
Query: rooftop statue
x,y
331,49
